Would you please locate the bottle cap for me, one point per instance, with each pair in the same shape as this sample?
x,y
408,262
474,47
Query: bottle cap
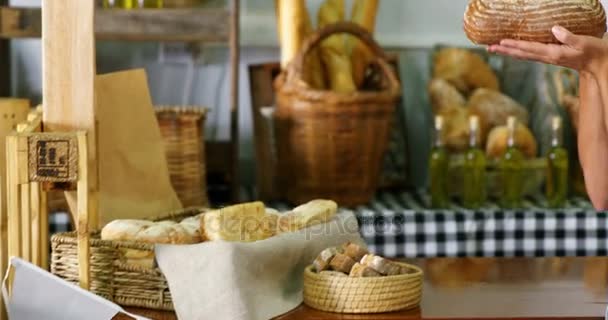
x,y
474,123
511,122
438,122
556,123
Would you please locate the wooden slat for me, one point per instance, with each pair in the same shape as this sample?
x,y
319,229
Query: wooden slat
x,y
186,25
35,225
13,204
68,62
44,232
83,215
26,223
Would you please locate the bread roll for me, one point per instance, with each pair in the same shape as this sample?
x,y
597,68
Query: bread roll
x,y
354,251
334,53
456,129
497,142
363,14
464,69
165,232
322,261
239,223
192,226
361,271
307,215
444,96
490,21
125,229
341,262
493,108
381,265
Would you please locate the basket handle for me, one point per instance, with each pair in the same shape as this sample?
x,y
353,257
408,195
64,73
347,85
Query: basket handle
x,y
343,27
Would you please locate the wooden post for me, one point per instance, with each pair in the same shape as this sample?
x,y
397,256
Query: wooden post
x,y
234,97
84,209
68,63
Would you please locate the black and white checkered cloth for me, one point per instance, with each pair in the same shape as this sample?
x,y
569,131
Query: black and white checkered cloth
x,y
398,225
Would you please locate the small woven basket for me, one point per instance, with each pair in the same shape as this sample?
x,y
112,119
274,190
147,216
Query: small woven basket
x,y
181,129
331,145
363,295
124,284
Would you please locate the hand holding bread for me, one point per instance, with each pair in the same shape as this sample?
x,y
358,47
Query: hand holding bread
x,y
490,21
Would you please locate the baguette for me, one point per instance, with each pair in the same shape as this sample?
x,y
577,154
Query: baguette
x,y
333,50
490,21
293,27
364,14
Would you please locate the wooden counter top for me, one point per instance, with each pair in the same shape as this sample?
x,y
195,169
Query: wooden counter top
x,y
535,288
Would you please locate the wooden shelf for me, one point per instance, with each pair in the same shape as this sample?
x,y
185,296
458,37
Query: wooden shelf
x,y
183,25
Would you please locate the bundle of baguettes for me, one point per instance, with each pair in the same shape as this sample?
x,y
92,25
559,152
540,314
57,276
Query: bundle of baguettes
x,y
490,21
341,62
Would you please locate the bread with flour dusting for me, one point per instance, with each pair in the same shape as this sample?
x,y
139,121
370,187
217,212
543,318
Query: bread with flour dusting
x,y
489,21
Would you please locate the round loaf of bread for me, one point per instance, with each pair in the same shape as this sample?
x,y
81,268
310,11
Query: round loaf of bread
x,y
490,21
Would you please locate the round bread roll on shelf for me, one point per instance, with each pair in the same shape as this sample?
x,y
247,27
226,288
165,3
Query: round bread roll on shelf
x,y
490,21
494,108
524,140
444,96
464,69
342,263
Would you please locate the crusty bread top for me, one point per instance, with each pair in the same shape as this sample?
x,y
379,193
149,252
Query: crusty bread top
x,y
489,21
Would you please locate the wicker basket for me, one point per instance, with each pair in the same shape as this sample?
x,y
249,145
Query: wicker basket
x,y
363,295
124,284
331,145
181,129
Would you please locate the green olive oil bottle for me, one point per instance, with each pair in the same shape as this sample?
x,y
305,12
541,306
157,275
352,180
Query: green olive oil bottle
x,y
474,190
557,167
511,166
438,166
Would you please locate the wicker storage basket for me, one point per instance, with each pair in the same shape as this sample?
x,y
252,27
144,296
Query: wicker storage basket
x,y
363,295
331,145
127,285
181,129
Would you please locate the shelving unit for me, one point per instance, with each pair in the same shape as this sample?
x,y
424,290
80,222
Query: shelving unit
x,y
195,25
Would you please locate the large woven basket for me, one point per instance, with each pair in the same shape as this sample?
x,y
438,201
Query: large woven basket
x,y
331,145
181,129
127,285
363,295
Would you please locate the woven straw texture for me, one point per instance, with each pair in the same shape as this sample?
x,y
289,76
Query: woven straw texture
x,y
124,284
331,145
362,295
181,129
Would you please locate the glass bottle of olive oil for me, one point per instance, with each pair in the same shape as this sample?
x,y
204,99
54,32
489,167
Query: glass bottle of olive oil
x,y
474,189
557,167
438,166
511,166
133,4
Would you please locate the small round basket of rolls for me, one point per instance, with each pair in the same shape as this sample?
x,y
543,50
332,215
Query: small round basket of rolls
x,y
348,279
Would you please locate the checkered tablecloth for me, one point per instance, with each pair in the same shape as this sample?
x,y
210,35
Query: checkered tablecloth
x,y
400,225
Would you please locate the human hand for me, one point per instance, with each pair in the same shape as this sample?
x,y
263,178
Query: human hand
x,y
581,53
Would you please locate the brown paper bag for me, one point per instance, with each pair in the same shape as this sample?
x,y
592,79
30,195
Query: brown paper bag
x,y
133,174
